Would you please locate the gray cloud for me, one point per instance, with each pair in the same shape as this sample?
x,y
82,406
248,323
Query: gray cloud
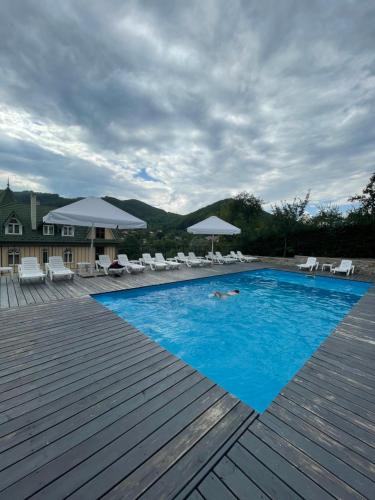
x,y
180,104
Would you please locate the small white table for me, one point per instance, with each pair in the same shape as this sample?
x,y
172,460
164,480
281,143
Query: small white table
x,y
83,267
8,270
328,266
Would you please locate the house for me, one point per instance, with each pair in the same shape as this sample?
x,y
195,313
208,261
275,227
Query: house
x,y
23,234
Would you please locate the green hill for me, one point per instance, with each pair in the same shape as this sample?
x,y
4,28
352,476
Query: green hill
x,y
155,217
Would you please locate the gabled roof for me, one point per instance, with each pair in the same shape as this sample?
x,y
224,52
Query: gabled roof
x,y
6,196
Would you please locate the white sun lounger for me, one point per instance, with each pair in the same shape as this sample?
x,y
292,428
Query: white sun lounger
x,y
203,261
181,257
345,266
310,264
104,262
29,269
226,260
214,258
154,266
172,264
244,258
129,266
55,269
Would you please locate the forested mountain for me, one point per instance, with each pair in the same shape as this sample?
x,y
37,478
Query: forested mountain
x,y
156,218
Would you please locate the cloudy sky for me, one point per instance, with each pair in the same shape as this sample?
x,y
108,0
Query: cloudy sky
x,y
181,103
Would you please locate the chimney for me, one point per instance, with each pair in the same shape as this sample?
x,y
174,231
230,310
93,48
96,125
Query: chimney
x,y
33,210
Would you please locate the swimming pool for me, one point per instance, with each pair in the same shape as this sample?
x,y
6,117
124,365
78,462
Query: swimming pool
x,y
251,344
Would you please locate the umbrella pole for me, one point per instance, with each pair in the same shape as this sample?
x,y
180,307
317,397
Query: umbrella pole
x,y
92,256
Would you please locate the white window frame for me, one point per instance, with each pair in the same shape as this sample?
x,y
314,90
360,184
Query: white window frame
x,y
48,230
66,230
10,226
12,252
68,251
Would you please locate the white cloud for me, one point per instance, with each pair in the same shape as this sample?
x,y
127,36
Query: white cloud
x,y
181,105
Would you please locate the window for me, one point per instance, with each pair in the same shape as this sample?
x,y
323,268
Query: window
x,y
100,233
45,255
13,226
48,229
67,231
68,256
13,256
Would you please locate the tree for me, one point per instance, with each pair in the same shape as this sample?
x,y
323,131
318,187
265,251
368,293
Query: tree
x,y
247,204
328,216
288,216
366,200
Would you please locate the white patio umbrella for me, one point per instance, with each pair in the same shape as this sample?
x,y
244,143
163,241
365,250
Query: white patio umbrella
x,y
213,226
93,212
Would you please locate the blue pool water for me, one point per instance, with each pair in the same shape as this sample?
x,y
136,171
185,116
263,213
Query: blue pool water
x,y
251,344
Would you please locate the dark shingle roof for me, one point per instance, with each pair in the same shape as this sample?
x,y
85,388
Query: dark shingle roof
x,y
9,207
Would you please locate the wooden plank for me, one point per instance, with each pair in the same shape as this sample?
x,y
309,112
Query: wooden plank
x,y
290,472
185,458
164,458
41,370
344,399
308,477
322,439
44,416
81,458
236,481
358,423
212,487
45,402
337,467
4,301
57,426
259,474
19,395
326,421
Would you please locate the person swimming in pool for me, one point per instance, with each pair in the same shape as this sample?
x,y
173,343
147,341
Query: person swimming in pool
x,y
225,295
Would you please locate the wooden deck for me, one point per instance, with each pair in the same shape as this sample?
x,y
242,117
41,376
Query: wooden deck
x,y
91,407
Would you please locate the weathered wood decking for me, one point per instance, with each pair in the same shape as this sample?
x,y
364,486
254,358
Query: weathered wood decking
x,y
91,407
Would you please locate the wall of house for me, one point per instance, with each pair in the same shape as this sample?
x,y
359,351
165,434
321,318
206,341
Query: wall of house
x,y
79,253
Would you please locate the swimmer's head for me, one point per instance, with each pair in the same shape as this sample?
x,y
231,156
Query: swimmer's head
x,y
236,291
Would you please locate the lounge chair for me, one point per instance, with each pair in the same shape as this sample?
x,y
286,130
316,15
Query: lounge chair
x,y
310,264
203,261
29,269
226,260
245,258
55,269
172,264
345,266
129,265
214,258
154,266
181,257
104,262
